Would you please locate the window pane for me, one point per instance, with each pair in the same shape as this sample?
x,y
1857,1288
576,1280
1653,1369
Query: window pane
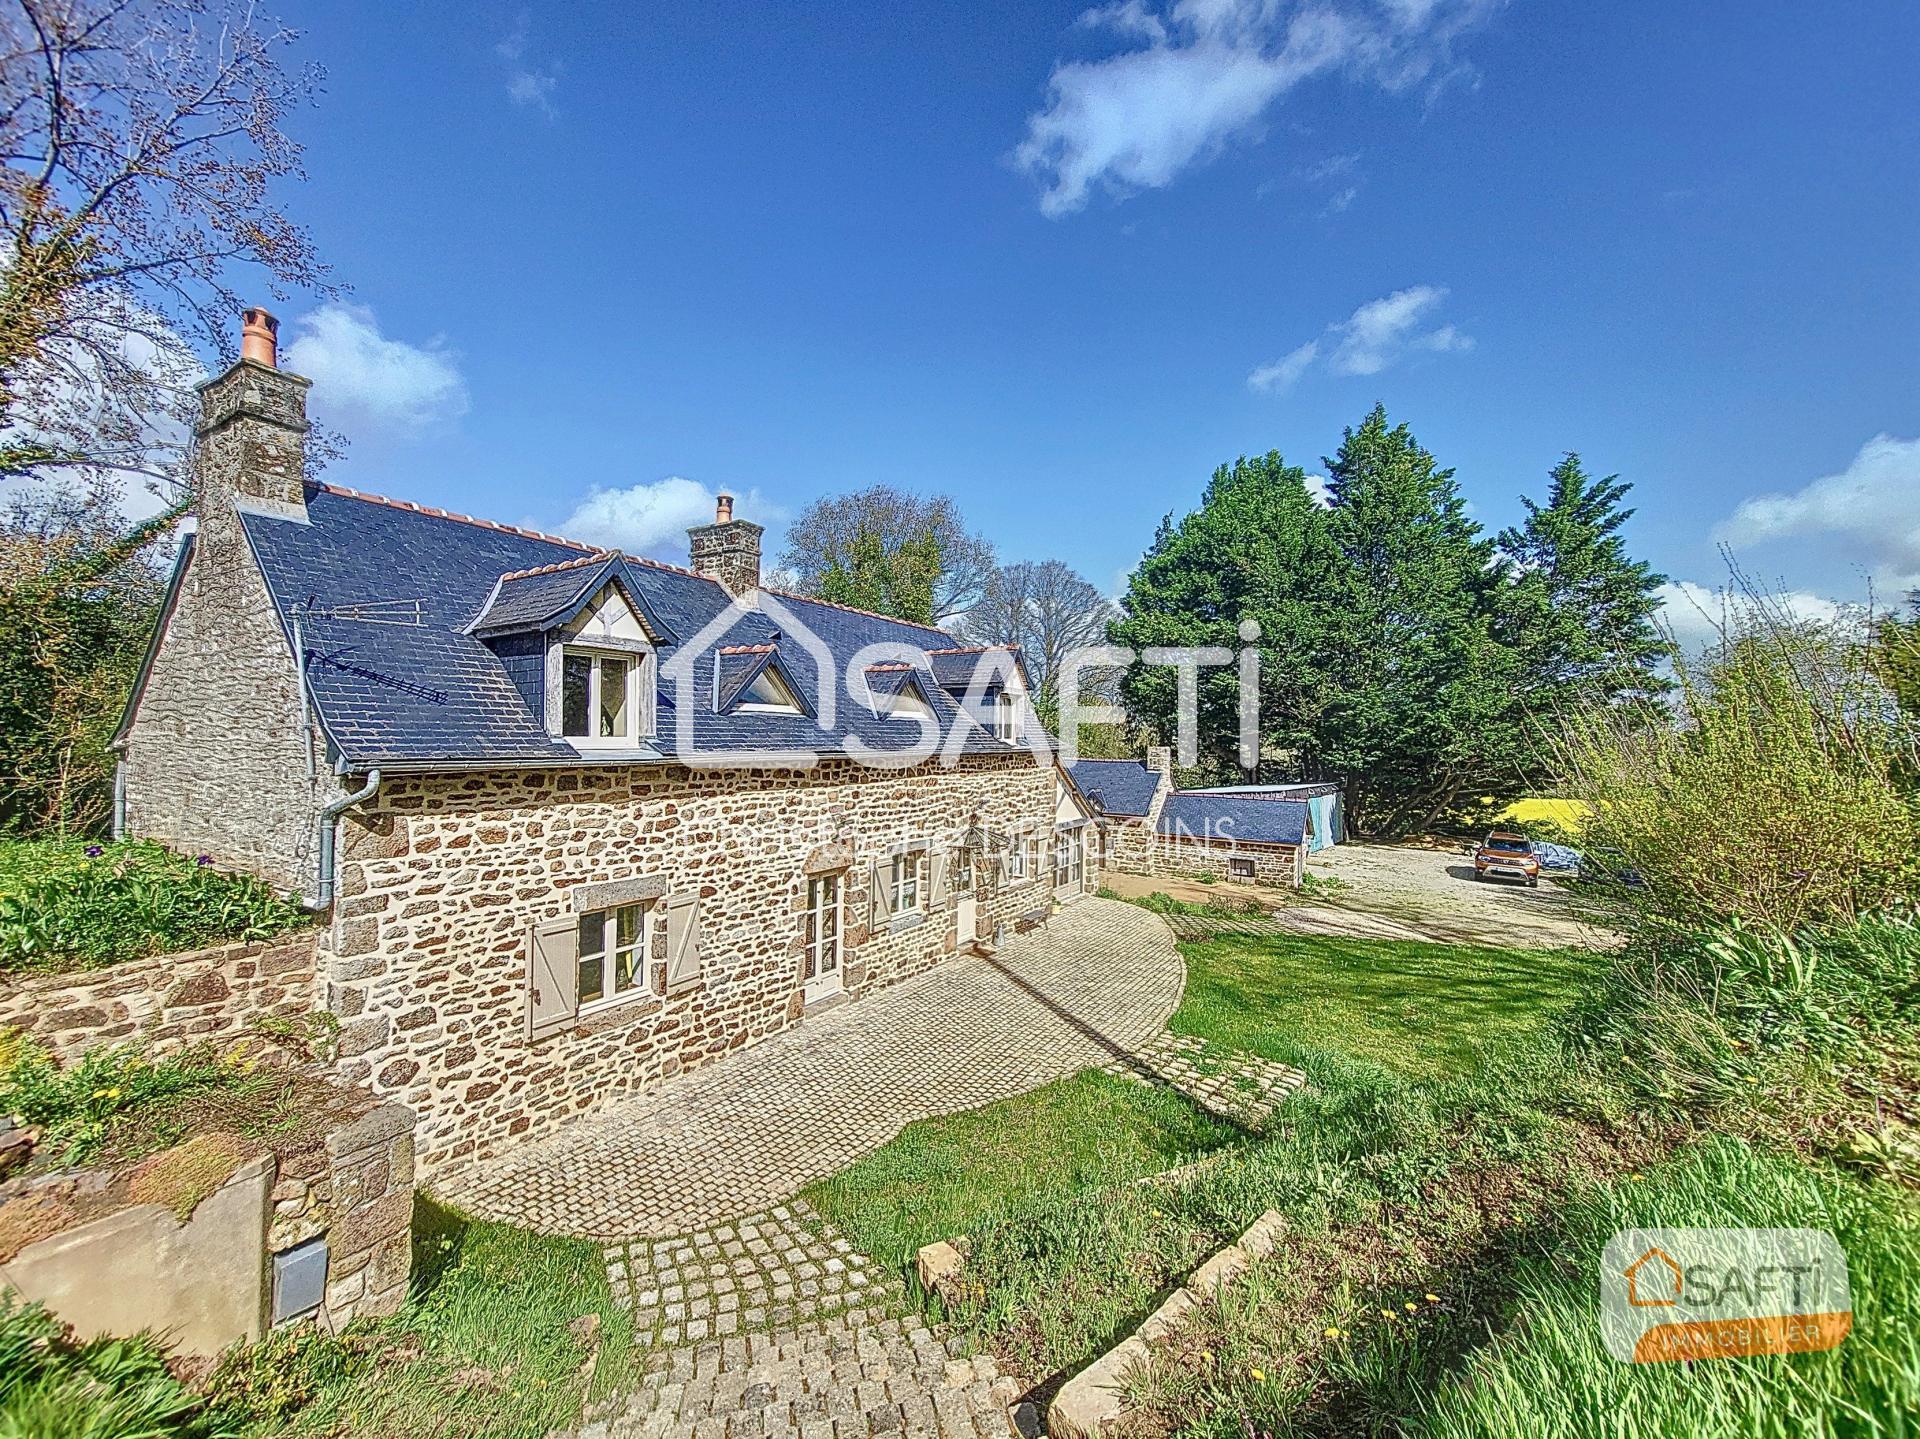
x,y
593,933
576,672
627,968
592,985
627,923
613,697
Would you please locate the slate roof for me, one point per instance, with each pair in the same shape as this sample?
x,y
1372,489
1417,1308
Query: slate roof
x,y
1117,786
427,691
1227,817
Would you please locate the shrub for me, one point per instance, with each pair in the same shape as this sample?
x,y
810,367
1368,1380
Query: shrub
x,y
284,1371
73,906
1771,795
75,1104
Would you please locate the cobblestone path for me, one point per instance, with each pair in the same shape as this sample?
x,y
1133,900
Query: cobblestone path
x,y
1230,1083
845,1378
752,1130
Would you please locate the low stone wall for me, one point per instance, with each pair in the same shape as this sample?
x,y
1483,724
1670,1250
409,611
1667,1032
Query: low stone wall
x,y
1280,865
208,1281
167,1001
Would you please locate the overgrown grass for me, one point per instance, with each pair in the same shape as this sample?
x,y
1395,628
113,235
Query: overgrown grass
x,y
1425,1010
950,1175
52,1387
491,1343
81,906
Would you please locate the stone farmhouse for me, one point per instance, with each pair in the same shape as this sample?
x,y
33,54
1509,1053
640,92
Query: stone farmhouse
x,y
1259,834
574,821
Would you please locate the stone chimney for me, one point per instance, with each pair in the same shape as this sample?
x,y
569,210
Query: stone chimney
x,y
728,550
251,439
1160,759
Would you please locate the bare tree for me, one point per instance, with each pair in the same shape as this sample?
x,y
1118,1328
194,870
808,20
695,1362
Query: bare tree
x,y
1045,608
823,539
140,141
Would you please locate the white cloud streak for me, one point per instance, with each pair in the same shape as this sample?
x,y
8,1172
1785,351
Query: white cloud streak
x,y
370,385
652,519
1697,616
1203,72
529,83
1373,337
1873,505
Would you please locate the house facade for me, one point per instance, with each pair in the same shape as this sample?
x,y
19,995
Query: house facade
x,y
574,822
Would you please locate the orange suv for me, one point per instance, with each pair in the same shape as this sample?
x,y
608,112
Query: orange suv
x,y
1507,856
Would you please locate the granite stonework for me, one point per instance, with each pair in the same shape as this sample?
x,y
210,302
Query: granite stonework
x,y
442,879
217,759
169,1000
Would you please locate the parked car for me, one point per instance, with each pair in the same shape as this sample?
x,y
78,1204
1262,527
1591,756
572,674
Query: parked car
x,y
1507,856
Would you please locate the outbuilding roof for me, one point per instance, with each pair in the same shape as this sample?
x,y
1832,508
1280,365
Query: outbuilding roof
x,y
1122,787
1198,815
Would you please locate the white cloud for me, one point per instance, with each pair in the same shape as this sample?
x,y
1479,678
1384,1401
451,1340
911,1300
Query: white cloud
x,y
1202,72
645,519
1281,374
1318,490
1373,337
368,384
1339,201
529,83
1873,504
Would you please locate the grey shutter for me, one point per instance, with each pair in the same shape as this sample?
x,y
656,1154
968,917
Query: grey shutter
x,y
938,898
683,940
876,898
553,976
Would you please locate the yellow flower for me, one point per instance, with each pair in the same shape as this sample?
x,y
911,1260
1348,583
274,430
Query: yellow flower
x,y
1331,1331
114,1093
1388,1314
1752,1080
99,1094
1636,1176
1258,1374
1411,1306
1431,1298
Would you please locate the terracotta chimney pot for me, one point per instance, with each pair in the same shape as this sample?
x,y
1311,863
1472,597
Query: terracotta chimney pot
x,y
259,337
723,509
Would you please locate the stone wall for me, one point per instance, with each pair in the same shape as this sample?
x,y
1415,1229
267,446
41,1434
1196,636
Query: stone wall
x,y
1273,864
362,1200
168,1001
443,878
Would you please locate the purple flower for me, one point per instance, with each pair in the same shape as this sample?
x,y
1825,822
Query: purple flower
x,y
204,860
94,851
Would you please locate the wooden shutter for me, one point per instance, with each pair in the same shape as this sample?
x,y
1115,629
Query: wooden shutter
x,y
553,975
683,940
937,899
876,898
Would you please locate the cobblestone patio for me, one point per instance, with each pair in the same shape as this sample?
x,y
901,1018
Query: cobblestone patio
x,y
745,1135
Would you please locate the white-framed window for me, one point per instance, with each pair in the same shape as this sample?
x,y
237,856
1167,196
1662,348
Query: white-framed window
x,y
1006,717
613,953
600,698
1240,867
904,882
1017,858
768,694
820,953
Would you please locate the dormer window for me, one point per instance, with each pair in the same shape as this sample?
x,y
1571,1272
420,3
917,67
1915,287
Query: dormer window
x,y
599,696
1006,718
768,694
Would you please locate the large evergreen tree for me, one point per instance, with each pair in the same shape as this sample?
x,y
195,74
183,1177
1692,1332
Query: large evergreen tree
x,y
1578,608
1256,549
1418,716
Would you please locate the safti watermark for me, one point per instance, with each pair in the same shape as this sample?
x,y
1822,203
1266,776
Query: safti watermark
x,y
1669,1294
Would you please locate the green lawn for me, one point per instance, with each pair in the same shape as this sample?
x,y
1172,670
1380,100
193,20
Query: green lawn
x,y
946,1176
1423,1010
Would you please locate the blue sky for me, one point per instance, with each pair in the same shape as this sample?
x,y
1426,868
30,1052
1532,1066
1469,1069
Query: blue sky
x,y
1060,264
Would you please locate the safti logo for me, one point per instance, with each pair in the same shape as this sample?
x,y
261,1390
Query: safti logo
x,y
1718,1293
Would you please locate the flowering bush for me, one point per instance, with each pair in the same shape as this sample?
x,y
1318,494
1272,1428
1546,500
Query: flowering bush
x,y
67,906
